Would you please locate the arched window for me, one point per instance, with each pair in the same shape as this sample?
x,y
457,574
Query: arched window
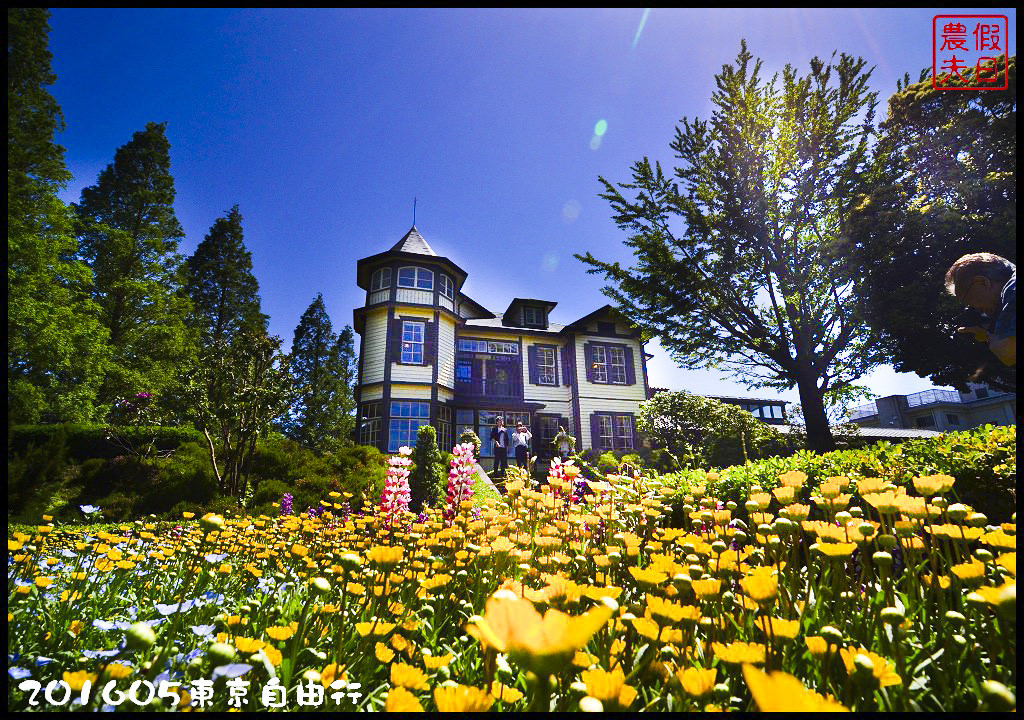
x,y
447,288
416,277
381,279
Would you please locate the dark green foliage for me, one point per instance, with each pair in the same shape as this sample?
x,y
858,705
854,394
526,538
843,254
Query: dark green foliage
x,y
232,395
56,346
428,471
705,432
755,281
224,293
943,183
129,236
82,442
37,468
468,436
323,364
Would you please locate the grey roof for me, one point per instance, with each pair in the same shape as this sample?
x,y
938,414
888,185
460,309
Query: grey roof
x,y
413,242
872,432
495,323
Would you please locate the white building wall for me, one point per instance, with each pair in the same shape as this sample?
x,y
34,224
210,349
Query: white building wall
x,y
375,335
420,297
412,373
446,352
410,392
373,392
600,397
560,393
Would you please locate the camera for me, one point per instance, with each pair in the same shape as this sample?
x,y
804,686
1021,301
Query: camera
x,y
969,317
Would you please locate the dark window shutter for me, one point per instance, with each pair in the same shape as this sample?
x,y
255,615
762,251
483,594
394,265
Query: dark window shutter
x,y
567,373
588,356
554,353
396,341
595,432
532,360
429,343
630,370
563,423
477,381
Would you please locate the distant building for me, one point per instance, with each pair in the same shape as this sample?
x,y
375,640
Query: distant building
x,y
430,355
939,410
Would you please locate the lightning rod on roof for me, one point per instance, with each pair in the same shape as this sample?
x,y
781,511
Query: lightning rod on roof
x,y
414,212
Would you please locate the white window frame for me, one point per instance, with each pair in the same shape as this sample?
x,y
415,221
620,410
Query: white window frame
x,y
497,347
407,417
410,344
616,365
623,432
422,279
369,432
377,281
447,286
600,360
606,429
546,370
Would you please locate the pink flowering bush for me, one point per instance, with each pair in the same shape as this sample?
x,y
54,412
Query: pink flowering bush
x,y
460,479
394,501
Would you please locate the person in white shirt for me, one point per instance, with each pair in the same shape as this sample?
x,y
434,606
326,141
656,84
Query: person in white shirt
x,y
521,442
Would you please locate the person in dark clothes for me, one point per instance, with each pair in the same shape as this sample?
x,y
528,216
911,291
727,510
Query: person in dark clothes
x,y
499,436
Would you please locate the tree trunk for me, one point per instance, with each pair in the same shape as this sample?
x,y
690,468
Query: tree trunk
x,y
819,435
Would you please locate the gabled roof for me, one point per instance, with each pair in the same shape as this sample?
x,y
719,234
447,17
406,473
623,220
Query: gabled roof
x,y
413,242
606,310
483,312
516,303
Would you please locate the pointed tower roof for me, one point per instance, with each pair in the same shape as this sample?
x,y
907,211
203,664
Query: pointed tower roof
x,y
413,242
413,249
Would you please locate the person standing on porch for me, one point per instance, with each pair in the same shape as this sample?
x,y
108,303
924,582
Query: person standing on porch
x,y
521,442
499,436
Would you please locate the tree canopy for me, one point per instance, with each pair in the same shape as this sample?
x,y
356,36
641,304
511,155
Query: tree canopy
x,y
129,235
323,364
739,263
943,183
56,346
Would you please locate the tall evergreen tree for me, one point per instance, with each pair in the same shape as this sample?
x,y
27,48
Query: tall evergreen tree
x,y
739,256
943,184
322,365
224,293
56,345
129,236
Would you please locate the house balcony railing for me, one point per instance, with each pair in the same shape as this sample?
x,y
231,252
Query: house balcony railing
x,y
930,397
489,389
863,411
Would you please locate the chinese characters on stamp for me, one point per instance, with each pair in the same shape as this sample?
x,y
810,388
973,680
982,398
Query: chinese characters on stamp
x,y
970,52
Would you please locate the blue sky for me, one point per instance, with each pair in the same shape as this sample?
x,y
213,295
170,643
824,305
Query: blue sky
x,y
323,125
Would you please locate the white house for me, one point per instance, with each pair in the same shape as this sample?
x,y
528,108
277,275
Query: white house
x,y
431,355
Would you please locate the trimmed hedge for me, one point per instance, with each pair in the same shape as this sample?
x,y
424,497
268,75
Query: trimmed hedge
x,y
84,442
983,461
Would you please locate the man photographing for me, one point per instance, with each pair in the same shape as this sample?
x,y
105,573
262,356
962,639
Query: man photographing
x,y
987,283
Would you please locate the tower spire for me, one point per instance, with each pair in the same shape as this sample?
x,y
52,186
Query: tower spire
x,y
414,211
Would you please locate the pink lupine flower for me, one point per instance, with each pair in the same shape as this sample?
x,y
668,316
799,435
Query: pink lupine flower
x,y
460,480
394,501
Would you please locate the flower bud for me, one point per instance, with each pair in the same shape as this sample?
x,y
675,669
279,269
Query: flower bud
x,y
590,704
843,517
718,547
983,554
886,542
139,636
893,616
998,697
211,522
731,506
832,634
319,586
882,559
866,529
857,512
220,654
957,512
977,519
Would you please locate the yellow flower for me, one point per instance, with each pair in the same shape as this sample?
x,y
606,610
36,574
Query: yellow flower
x,y
462,698
1008,562
279,633
1007,592
76,626
504,693
762,585
647,576
76,679
665,609
44,582
511,624
707,588
816,644
970,572
377,628
646,627
604,685
385,555
787,629
737,653
117,671
248,645
883,669
401,700
933,484
433,663
781,692
407,676
836,549
384,653
332,673
1000,539
697,681
793,479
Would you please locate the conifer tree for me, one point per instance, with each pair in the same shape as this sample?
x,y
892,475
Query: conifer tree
x,y
56,345
224,293
129,236
322,365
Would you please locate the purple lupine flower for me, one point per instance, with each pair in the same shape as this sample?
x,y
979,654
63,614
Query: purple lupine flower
x,y
460,480
395,499
286,504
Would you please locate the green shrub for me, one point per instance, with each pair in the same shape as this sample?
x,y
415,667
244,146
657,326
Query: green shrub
x,y
424,480
101,441
33,473
468,436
